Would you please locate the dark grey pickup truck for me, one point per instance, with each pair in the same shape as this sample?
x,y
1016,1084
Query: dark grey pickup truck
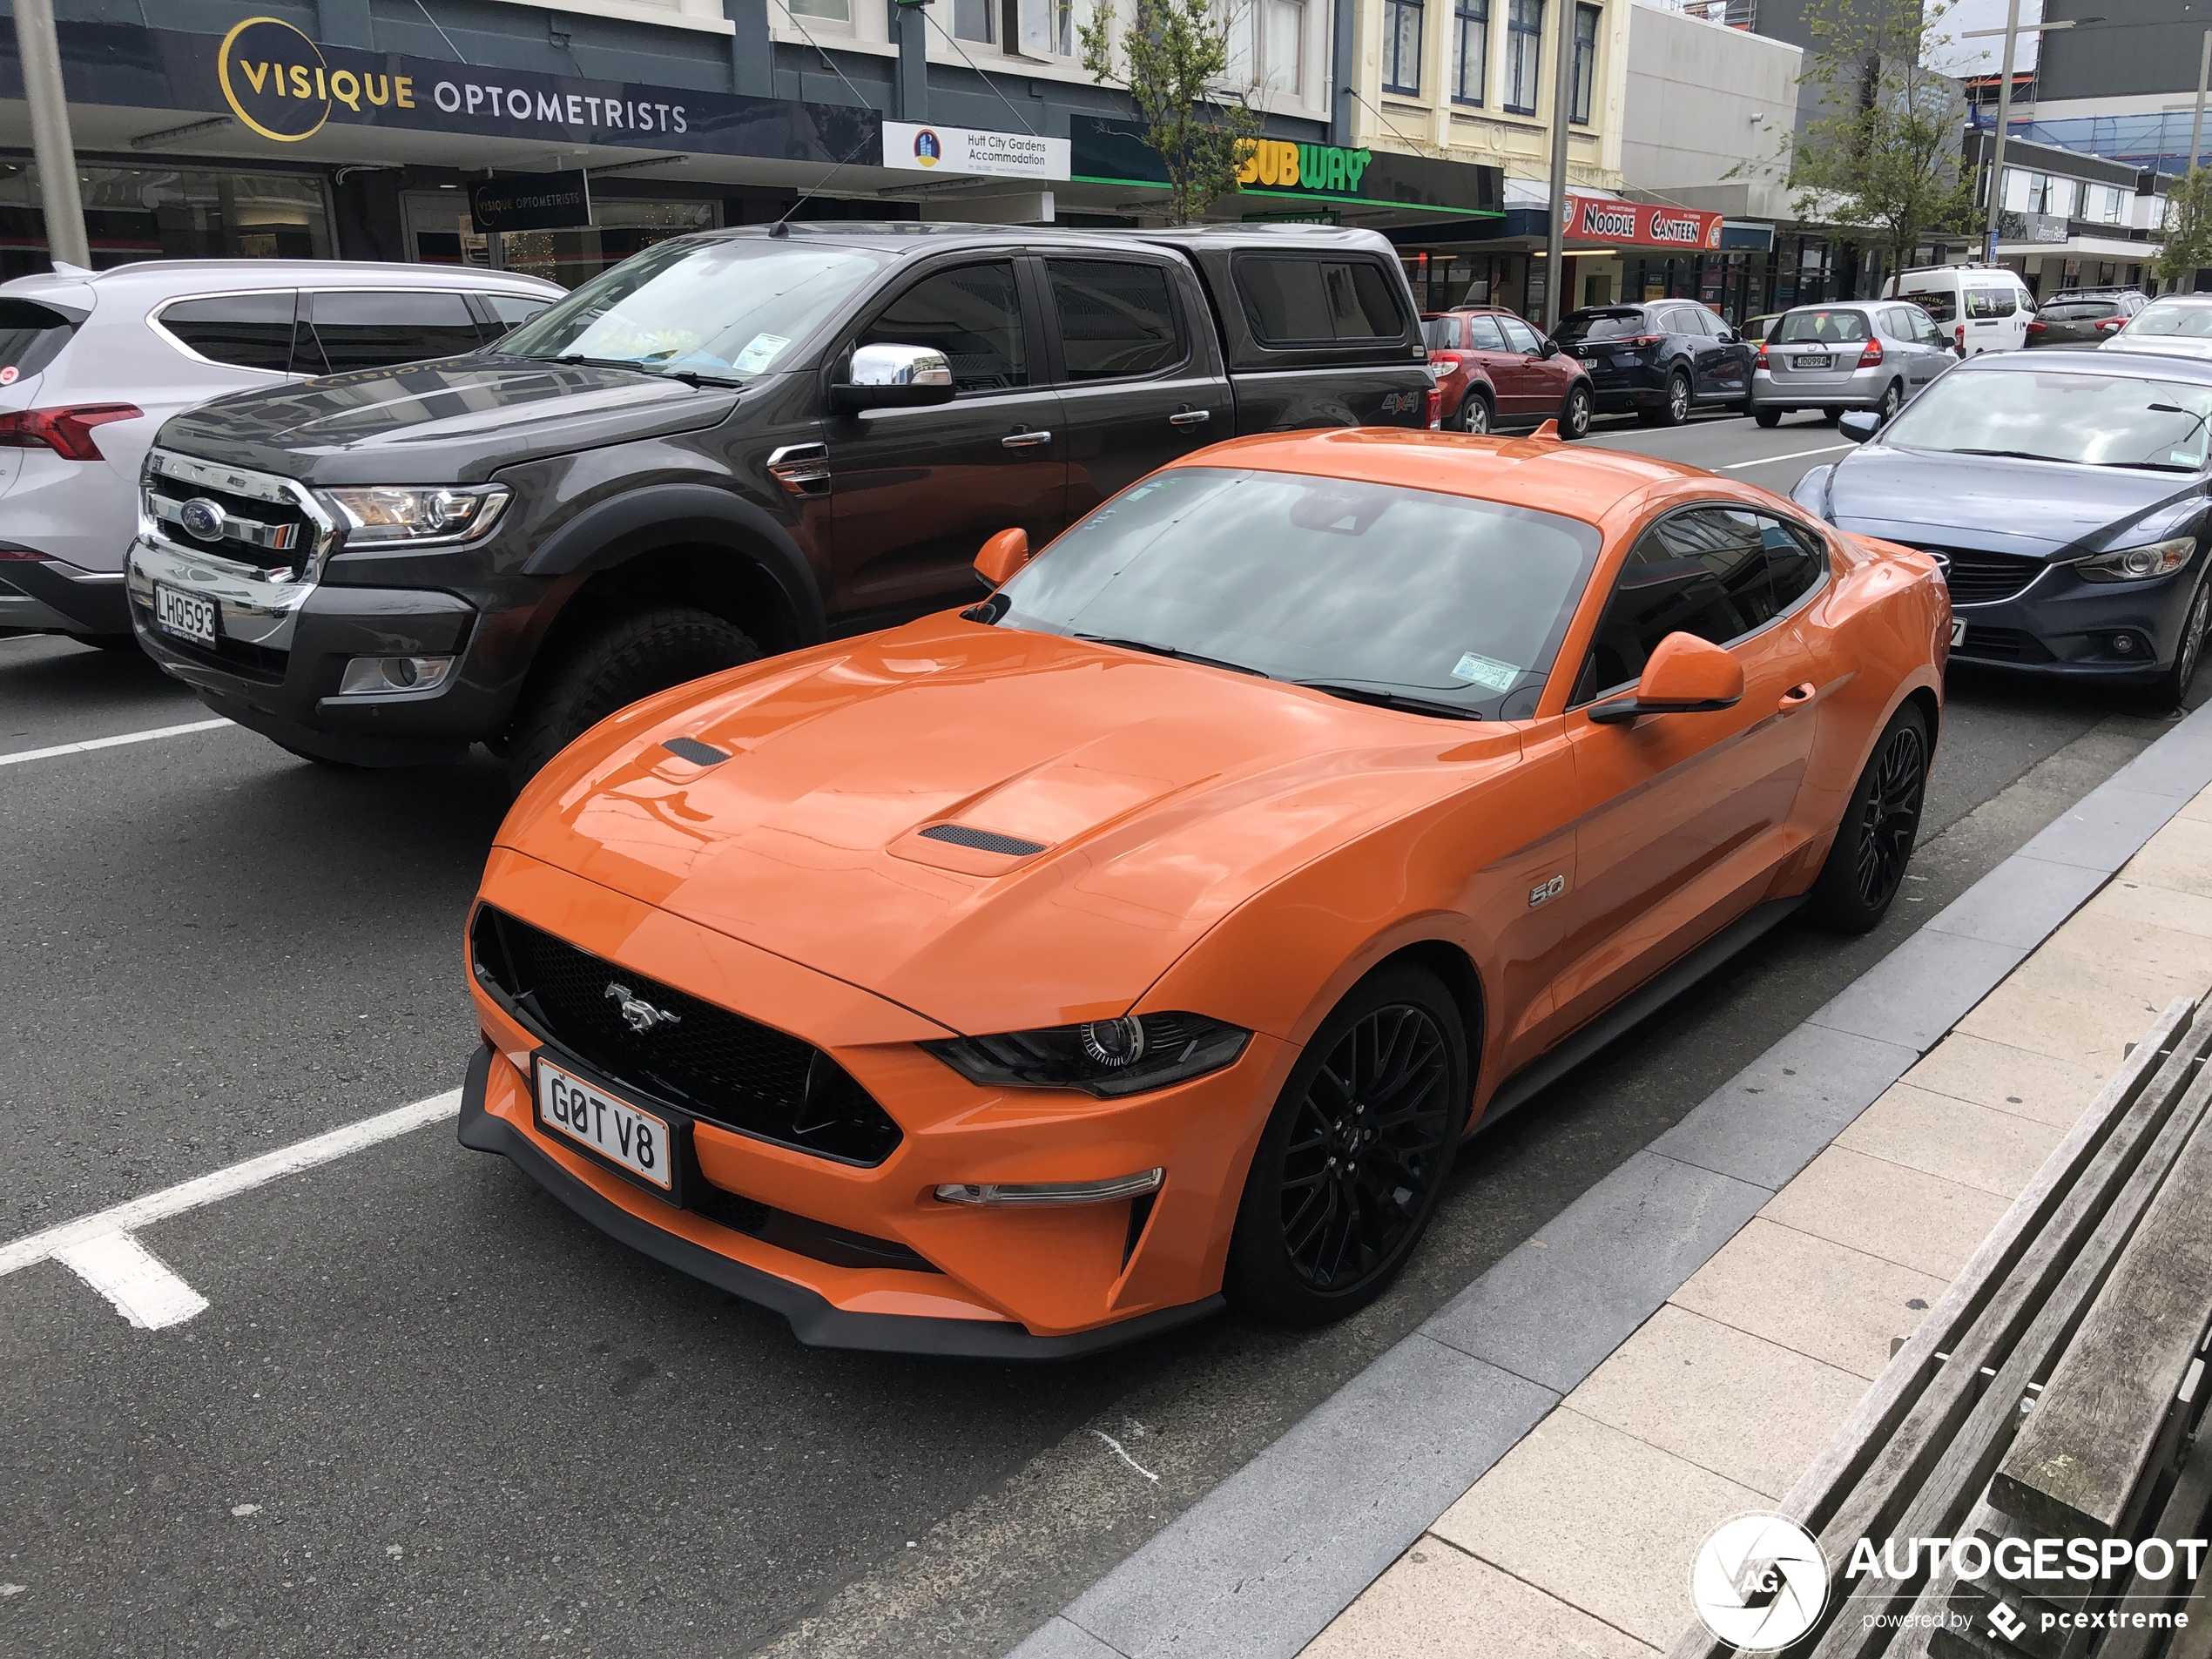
x,y
733,443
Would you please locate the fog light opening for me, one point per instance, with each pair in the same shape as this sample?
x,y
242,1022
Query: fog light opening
x,y
1006,1194
373,675
2123,646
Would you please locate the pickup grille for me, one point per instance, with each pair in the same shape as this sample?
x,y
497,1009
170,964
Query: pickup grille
x,y
715,1064
257,519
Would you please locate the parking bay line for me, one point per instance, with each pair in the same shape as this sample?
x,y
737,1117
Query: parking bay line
x,y
91,744
103,1252
1795,455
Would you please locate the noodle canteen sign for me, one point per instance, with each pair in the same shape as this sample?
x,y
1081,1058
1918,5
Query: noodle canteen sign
x,y
1601,218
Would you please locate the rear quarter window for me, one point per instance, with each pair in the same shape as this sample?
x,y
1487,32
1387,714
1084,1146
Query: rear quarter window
x,y
1289,300
31,336
244,330
1614,324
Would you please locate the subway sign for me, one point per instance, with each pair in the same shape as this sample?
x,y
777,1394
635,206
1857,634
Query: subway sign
x,y
1108,150
1278,165
1601,218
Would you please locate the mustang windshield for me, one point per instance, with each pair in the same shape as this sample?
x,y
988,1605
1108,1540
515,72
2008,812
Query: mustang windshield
x,y
1407,597
722,309
2094,420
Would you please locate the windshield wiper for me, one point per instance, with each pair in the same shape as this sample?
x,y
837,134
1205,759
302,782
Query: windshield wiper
x,y
2014,454
1391,700
577,359
2149,466
1147,646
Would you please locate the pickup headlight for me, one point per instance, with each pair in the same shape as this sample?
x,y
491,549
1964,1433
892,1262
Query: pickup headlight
x,y
1109,1058
381,514
2137,563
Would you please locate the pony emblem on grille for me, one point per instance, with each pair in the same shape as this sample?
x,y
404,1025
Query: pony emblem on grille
x,y
642,1015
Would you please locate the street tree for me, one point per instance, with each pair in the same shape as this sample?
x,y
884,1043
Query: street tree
x,y
2188,229
1883,152
1174,57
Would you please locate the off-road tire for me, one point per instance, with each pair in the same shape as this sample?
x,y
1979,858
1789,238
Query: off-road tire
x,y
633,656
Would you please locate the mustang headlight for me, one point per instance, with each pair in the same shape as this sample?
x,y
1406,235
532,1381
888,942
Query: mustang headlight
x,y
2139,563
381,514
1108,1058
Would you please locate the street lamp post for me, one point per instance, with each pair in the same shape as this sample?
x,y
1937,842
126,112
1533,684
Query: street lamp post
x,y
39,52
1562,110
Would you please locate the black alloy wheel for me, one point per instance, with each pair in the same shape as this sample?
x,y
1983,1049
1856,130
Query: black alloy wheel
x,y
1355,1154
1866,865
1474,413
1888,407
2174,684
1575,414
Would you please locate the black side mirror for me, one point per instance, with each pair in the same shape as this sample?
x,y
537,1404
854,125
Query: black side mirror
x,y
1859,425
1550,347
1731,338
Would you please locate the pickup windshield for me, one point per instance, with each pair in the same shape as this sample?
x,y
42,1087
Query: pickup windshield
x,y
1410,598
2090,420
724,308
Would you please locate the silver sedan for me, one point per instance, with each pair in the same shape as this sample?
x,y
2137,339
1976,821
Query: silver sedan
x,y
1855,354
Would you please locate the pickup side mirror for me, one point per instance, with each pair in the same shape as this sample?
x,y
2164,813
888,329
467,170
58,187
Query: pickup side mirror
x,y
1002,556
1859,425
895,377
1686,675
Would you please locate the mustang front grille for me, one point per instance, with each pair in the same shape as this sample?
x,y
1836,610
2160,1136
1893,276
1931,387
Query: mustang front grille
x,y
717,1065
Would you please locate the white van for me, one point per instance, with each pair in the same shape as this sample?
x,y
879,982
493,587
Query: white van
x,y
1978,307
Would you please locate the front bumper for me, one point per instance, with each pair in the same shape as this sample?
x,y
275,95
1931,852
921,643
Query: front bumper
x,y
282,647
2062,626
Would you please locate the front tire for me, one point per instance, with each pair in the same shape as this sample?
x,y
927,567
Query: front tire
x,y
1769,418
1866,865
1891,401
1575,414
1355,1154
630,658
2174,684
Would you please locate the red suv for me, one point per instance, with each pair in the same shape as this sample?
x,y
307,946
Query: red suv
x,y
1494,370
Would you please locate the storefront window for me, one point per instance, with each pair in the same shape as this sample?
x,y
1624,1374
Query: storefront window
x,y
161,213
573,258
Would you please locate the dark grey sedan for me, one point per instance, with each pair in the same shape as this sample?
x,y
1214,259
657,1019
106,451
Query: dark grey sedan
x,y
2065,494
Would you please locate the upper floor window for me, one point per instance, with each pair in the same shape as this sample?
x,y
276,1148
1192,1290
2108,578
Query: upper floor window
x,y
1524,54
1401,46
1470,49
1586,20
1266,42
973,20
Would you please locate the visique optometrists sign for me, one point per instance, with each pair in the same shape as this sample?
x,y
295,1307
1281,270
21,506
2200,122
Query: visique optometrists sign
x,y
285,88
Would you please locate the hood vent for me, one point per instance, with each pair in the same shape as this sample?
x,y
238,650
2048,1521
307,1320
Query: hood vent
x,y
982,841
690,749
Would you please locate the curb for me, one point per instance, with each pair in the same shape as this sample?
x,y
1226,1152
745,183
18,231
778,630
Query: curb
x,y
1260,1565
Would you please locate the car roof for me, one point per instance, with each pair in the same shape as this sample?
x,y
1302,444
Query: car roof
x,y
1839,304
142,277
912,237
2106,359
1571,479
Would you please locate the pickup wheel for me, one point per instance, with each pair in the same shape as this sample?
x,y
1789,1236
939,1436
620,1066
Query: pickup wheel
x,y
632,657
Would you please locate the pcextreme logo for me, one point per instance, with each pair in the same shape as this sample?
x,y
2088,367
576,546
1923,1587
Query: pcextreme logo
x,y
277,83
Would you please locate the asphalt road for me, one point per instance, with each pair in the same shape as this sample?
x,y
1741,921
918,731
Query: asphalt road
x,y
428,1413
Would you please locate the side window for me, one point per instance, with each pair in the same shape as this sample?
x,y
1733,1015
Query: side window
x,y
1298,301
1796,560
1704,572
1940,305
1116,319
246,330
1924,326
1520,336
511,311
375,330
972,314
1990,302
1484,334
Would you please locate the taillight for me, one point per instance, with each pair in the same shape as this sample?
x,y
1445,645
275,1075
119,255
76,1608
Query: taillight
x,y
1959,333
1871,357
2037,328
1435,409
67,432
1644,339
1760,361
1445,362
2109,324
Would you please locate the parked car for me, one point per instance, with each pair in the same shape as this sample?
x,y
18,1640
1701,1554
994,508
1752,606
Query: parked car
x,y
1857,354
2064,493
2076,319
1662,358
2131,299
1755,329
91,363
1029,978
734,442
1981,308
1495,371
2179,324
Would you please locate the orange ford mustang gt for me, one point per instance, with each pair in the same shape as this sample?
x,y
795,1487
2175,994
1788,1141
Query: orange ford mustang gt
x,y
1025,979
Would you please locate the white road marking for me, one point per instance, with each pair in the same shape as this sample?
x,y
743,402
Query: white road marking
x,y
1795,455
100,1249
140,1284
1125,1456
22,755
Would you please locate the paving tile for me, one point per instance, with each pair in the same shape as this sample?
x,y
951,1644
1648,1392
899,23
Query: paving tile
x,y
1770,1120
1057,1639
1737,1405
2191,912
1561,1301
2179,764
1918,991
1552,1514
2132,945
2199,807
1989,1149
2104,829
2073,1008
1439,1602
1823,1299
1265,1561
2018,902
2008,1079
2179,856
1904,1215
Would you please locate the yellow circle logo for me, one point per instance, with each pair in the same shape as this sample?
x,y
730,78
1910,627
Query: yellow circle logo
x,y
274,79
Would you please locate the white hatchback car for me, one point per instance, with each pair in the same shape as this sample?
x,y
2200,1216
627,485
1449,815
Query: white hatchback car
x,y
91,363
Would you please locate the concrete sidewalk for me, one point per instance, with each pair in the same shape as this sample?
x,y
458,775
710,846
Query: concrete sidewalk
x,y
1579,1540
1532,1469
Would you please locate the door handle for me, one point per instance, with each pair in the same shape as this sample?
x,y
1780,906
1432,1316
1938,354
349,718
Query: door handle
x,y
1798,697
1025,440
1190,417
